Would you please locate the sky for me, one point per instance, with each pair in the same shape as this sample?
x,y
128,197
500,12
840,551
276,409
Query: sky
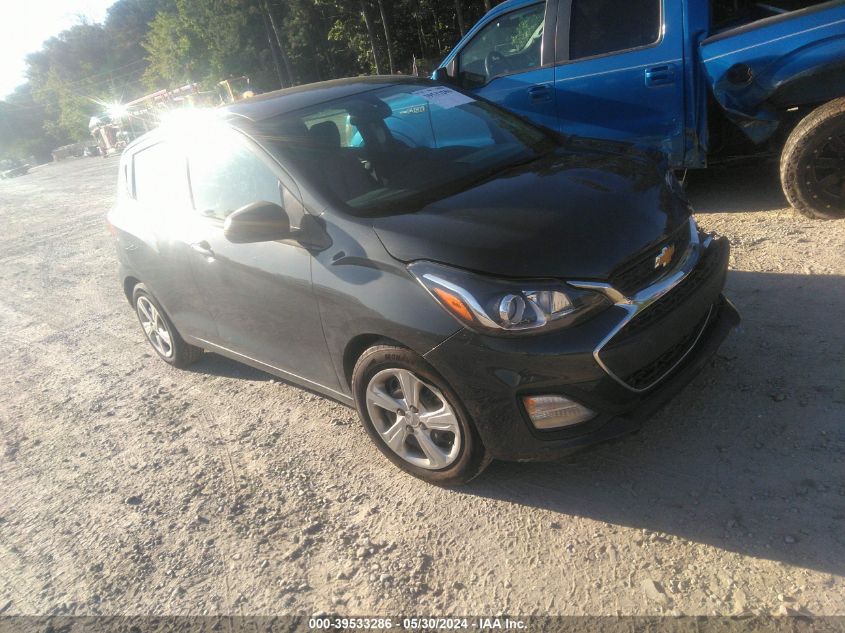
x,y
25,24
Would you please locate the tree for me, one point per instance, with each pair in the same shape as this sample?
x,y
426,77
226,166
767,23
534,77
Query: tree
x,y
366,17
460,15
174,54
146,45
386,24
22,133
278,43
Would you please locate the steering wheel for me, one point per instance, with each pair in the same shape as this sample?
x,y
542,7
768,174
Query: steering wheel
x,y
493,60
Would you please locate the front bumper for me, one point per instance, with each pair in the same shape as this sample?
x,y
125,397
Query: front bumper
x,y
623,368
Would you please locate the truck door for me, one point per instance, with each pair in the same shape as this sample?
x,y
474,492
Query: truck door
x,y
509,59
620,72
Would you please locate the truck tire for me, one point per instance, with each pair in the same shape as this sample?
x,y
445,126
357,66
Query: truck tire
x,y
812,166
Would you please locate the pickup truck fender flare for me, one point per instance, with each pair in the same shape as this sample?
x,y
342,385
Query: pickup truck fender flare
x,y
756,72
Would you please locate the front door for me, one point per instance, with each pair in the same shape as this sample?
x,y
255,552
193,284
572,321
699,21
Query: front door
x,y
509,61
620,72
259,295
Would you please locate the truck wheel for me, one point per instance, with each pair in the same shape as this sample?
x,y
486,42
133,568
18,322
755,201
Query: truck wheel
x,y
812,166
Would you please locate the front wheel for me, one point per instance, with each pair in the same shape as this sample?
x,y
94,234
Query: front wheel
x,y
812,167
415,418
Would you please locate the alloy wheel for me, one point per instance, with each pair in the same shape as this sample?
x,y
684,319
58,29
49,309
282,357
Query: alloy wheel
x,y
154,327
414,419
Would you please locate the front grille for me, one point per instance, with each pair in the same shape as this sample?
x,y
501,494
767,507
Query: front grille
x,y
655,370
648,346
669,302
633,276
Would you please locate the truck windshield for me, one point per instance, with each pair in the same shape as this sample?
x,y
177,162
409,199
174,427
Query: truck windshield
x,y
396,147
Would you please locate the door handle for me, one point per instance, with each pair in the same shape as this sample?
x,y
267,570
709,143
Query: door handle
x,y
538,94
660,75
204,249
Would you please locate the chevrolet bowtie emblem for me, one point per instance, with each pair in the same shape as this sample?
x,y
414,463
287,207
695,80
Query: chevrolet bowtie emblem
x,y
665,257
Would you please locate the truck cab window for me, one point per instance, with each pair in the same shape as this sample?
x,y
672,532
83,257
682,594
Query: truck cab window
x,y
510,43
599,27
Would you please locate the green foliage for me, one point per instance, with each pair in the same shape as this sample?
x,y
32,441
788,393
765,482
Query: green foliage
x,y
174,54
22,132
523,32
146,45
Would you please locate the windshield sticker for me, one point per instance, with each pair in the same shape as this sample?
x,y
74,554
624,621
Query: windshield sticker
x,y
444,97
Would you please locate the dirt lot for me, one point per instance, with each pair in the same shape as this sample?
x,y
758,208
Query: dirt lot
x,y
129,487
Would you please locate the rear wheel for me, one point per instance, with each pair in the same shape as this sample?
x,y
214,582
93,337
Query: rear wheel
x,y
812,167
159,330
415,418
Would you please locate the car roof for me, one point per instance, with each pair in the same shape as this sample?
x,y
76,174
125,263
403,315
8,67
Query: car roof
x,y
273,104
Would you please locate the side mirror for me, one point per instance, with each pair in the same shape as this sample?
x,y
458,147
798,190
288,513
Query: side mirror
x,y
439,75
447,74
257,222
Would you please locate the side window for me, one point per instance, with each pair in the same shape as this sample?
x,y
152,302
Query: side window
x,y
227,175
508,44
599,27
160,176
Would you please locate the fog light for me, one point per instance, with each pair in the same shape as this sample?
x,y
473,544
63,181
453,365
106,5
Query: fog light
x,y
555,412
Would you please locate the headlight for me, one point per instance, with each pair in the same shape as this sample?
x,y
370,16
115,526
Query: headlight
x,y
499,306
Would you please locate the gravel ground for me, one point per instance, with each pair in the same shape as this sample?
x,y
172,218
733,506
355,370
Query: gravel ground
x,y
133,488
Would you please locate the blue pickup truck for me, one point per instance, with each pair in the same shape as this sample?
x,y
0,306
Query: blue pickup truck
x,y
703,81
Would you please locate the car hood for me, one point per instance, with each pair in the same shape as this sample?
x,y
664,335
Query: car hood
x,y
577,214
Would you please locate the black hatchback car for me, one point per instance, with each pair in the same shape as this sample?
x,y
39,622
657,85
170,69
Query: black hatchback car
x,y
475,286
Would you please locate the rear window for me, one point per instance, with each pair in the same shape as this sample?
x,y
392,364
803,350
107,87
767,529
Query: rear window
x,y
160,176
599,27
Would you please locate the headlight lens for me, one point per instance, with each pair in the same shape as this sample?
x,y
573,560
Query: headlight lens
x,y
498,306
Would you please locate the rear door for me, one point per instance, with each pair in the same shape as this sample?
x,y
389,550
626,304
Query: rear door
x,y
509,59
620,72
156,242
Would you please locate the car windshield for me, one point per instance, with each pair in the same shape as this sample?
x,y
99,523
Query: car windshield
x,y
395,148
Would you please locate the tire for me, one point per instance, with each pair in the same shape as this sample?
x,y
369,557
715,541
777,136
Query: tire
x,y
177,352
812,166
383,370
